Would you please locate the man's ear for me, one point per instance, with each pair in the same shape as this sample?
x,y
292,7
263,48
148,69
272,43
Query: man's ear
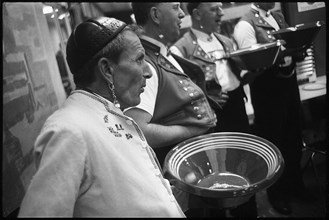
x,y
105,68
154,13
196,14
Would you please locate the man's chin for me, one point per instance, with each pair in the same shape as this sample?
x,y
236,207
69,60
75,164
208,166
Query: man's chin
x,y
137,102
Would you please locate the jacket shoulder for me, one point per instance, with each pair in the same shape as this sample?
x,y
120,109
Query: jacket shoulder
x,y
184,42
249,17
184,39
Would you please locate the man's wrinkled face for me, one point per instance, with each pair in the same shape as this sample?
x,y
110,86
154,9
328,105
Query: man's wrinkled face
x,y
210,16
170,15
131,71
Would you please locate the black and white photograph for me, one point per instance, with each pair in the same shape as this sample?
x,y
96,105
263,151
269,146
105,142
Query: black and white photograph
x,y
164,110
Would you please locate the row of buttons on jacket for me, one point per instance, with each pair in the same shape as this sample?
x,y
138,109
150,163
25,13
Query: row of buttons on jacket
x,y
199,110
261,21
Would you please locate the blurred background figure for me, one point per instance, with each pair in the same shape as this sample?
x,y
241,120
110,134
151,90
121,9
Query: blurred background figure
x,y
276,101
205,46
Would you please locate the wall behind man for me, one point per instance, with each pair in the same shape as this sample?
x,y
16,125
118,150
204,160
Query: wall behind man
x,y
310,12
32,90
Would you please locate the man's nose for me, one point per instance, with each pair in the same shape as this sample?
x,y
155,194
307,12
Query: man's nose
x,y
147,73
181,13
220,11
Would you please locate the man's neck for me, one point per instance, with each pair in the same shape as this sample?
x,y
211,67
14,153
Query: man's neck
x,y
153,33
197,27
100,89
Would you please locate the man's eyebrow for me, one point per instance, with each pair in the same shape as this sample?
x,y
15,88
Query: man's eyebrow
x,y
176,5
141,54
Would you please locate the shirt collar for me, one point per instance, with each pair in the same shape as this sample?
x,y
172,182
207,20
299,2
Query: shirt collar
x,y
101,100
202,36
163,48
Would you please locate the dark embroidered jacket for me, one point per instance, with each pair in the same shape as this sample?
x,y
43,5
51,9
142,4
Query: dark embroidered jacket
x,y
191,50
179,100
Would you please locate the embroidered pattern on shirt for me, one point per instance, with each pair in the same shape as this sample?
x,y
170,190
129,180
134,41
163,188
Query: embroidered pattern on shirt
x,y
107,107
115,133
128,136
119,127
106,119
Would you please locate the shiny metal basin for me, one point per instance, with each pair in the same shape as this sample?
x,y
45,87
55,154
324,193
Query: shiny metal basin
x,y
228,167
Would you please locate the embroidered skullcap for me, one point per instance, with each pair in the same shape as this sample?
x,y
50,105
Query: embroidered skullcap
x,y
90,37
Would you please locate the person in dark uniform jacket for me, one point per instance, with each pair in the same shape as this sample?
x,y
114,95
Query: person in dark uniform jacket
x,y
275,100
174,105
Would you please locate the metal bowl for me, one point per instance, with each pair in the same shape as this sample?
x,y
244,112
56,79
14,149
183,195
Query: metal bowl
x,y
226,167
257,56
302,35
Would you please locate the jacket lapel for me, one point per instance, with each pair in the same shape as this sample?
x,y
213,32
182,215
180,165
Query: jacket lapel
x,y
199,53
168,66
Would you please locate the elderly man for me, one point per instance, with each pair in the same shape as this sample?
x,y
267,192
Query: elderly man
x,y
92,160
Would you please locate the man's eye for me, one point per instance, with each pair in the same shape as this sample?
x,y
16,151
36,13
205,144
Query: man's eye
x,y
140,60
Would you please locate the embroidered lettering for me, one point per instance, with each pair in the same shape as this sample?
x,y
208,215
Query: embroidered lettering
x,y
115,133
106,120
119,127
111,129
128,136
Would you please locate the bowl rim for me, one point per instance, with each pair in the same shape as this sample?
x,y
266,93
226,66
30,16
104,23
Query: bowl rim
x,y
223,193
287,34
299,27
256,48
